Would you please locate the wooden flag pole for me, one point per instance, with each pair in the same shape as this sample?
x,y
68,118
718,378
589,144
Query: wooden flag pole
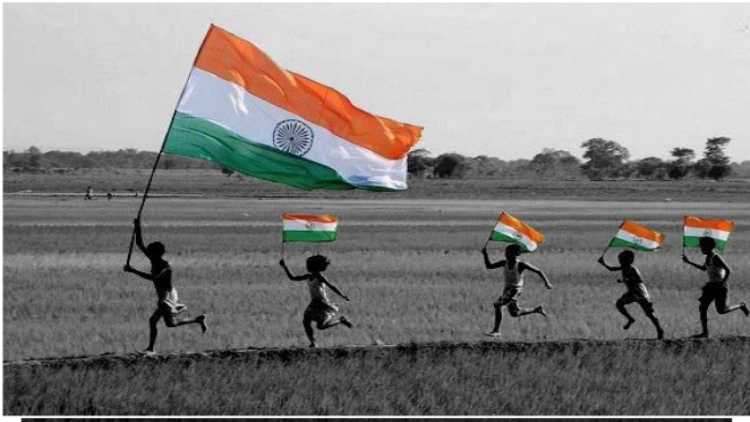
x,y
161,149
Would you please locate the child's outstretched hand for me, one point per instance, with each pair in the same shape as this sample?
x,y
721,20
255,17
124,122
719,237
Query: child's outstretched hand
x,y
282,263
685,259
600,260
127,268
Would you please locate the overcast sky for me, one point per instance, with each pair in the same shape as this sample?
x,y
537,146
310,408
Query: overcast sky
x,y
502,79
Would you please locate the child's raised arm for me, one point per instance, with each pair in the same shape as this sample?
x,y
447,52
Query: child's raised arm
x,y
334,288
489,265
289,274
538,272
604,264
139,236
686,260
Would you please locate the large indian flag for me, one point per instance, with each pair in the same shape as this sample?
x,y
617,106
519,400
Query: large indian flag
x,y
509,229
694,228
244,112
635,236
309,228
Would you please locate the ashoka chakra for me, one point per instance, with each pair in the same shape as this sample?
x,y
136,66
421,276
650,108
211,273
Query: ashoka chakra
x,y
293,136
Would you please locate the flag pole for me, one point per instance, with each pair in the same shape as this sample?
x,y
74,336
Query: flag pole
x,y
161,149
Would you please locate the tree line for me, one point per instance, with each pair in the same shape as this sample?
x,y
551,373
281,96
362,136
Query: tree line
x,y
602,159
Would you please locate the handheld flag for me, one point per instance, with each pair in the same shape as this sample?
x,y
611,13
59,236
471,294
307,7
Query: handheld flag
x,y
694,228
309,228
242,111
635,236
509,229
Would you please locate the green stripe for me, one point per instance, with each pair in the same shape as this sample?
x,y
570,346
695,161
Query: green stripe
x,y
198,138
620,243
500,237
694,242
308,236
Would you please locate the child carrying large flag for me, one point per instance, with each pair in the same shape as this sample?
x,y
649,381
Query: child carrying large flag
x,y
710,235
321,311
522,238
634,236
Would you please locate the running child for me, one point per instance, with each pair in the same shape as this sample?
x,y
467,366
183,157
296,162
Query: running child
x,y
716,289
636,290
321,311
513,270
167,305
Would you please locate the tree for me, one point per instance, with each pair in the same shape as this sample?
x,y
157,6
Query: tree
x,y
605,158
450,165
418,161
35,157
651,168
683,161
716,159
555,163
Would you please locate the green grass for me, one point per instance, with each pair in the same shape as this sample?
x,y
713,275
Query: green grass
x,y
414,273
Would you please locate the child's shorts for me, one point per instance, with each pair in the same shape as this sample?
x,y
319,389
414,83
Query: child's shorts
x,y
320,311
509,297
641,299
714,291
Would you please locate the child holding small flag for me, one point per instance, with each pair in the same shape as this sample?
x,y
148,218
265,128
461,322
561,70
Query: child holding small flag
x,y
321,311
513,270
715,290
634,236
636,292
167,305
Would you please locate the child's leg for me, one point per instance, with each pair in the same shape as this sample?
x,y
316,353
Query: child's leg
x,y
721,304
307,323
498,317
152,330
620,305
515,311
703,310
648,309
174,322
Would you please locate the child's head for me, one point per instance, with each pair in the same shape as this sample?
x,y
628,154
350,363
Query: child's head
x,y
626,257
155,249
707,244
512,251
317,263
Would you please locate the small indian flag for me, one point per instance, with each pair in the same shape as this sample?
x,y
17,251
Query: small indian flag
x,y
635,236
695,228
512,230
309,228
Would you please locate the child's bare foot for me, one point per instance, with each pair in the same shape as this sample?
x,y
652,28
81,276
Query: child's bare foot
x,y
312,345
149,352
699,335
660,334
202,321
493,334
744,309
346,322
628,324
540,310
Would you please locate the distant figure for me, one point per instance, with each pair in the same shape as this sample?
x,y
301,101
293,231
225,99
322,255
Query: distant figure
x,y
636,292
320,310
89,194
109,196
167,305
716,289
513,272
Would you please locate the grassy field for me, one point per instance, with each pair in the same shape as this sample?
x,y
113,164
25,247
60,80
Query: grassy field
x,y
213,183
414,273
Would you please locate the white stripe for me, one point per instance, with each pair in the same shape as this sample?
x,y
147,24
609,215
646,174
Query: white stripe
x,y
510,231
640,241
691,231
303,225
209,97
